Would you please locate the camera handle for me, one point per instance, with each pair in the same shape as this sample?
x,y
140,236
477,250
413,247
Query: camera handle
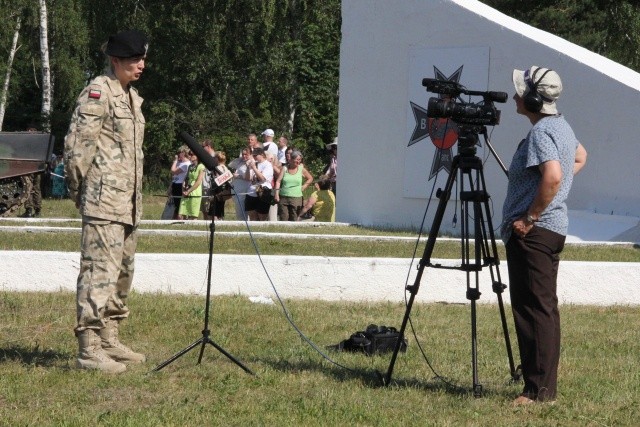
x,y
493,152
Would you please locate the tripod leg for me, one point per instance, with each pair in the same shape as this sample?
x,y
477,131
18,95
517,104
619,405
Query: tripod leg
x,y
387,379
489,243
515,373
229,356
424,261
477,387
205,338
473,289
179,354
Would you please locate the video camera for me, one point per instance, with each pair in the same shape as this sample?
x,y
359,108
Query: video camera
x,y
483,113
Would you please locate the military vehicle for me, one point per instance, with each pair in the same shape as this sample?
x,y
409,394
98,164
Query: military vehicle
x,y
22,154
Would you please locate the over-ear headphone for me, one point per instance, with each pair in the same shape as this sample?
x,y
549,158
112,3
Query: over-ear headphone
x,y
533,101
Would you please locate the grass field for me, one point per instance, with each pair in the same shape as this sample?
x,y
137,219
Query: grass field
x,y
293,384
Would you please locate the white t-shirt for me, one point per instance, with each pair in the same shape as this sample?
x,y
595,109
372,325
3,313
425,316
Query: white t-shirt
x,y
272,148
282,156
184,168
266,169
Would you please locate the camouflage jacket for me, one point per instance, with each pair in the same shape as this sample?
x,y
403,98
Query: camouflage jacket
x,y
103,152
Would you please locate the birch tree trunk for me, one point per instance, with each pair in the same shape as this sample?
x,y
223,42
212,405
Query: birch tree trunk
x,y
47,90
292,116
12,54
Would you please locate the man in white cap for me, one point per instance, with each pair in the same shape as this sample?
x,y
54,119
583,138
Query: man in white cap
x,y
267,142
535,225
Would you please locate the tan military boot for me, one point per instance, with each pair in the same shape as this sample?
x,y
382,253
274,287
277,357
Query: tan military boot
x,y
114,348
92,356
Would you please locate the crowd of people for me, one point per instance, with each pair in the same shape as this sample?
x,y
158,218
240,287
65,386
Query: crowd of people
x,y
269,183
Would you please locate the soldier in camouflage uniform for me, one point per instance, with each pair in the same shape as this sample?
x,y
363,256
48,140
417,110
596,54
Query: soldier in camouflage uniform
x,y
103,170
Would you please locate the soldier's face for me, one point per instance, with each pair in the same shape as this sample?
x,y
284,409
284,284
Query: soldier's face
x,y
128,70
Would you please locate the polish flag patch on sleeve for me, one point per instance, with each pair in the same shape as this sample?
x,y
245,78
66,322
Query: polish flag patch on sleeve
x,y
95,93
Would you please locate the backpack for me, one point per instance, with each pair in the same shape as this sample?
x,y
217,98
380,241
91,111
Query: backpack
x,y
373,340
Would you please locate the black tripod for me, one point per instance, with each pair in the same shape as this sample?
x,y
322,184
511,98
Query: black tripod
x,y
474,203
205,339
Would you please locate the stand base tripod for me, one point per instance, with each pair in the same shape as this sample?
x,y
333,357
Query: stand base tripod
x,y
205,331
474,202
203,341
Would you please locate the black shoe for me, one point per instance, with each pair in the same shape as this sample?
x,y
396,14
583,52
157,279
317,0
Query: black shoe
x,y
27,214
37,213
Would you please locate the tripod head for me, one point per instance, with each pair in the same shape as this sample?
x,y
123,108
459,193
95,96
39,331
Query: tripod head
x,y
468,141
468,138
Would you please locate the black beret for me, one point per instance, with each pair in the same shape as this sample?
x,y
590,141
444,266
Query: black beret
x,y
127,44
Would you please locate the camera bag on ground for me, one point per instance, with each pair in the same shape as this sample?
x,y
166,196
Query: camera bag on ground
x,y
373,340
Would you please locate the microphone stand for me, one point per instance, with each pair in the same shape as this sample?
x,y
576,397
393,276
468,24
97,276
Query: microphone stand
x,y
206,332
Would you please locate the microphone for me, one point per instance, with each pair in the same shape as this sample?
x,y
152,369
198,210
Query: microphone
x,y
209,162
205,158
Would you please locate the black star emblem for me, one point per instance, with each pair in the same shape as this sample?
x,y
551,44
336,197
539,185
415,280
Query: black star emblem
x,y
443,130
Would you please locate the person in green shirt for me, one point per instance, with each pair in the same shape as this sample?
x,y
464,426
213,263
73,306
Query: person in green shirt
x,y
291,183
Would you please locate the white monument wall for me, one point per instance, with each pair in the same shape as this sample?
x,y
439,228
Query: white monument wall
x,y
600,101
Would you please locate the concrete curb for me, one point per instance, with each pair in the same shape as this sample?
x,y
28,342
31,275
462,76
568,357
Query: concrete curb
x,y
332,279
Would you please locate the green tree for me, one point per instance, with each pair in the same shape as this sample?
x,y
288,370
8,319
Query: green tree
x,y
69,52
216,68
222,68
23,95
67,43
605,27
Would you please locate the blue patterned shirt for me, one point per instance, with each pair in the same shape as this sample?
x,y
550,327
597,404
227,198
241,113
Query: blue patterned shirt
x,y
551,138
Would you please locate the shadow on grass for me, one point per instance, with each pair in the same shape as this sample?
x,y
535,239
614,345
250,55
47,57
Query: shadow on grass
x,y
370,378
33,356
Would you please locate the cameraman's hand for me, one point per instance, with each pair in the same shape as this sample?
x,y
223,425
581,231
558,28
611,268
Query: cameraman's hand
x,y
521,227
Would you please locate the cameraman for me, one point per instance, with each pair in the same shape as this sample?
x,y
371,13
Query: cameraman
x,y
535,225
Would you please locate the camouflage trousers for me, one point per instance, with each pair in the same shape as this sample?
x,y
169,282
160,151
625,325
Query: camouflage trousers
x,y
35,196
106,272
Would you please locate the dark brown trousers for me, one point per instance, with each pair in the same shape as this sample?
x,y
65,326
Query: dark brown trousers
x,y
533,272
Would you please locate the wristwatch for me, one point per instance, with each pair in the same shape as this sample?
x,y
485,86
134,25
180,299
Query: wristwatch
x,y
530,219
